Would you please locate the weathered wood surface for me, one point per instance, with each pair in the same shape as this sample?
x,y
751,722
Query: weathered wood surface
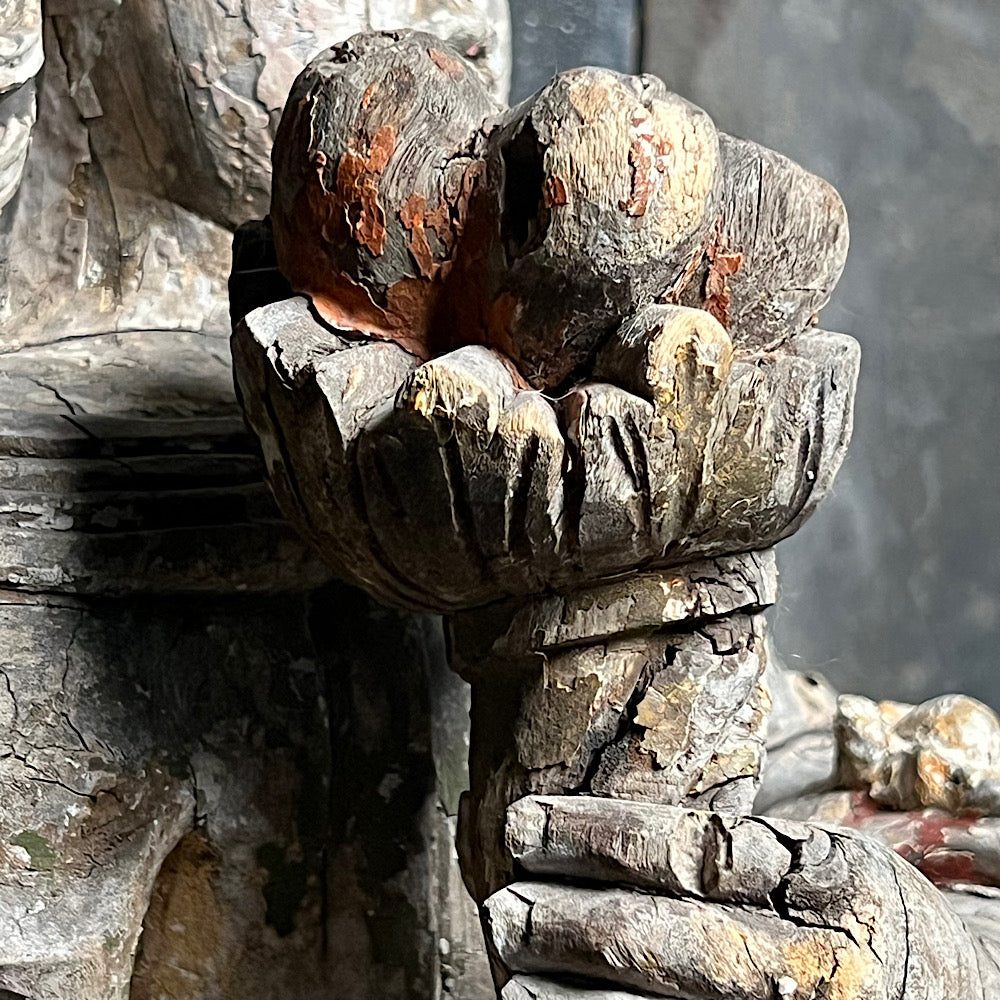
x,y
806,911
598,542
615,608
295,765
797,888
122,225
518,492
779,249
678,439
183,759
671,709
410,208
563,419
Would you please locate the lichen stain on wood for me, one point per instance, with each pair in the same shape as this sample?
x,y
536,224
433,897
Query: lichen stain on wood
x,y
844,971
664,713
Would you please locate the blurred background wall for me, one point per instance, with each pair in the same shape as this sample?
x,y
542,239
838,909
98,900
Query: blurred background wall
x,y
893,589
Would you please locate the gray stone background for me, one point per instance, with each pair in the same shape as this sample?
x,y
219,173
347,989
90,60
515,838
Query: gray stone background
x,y
893,589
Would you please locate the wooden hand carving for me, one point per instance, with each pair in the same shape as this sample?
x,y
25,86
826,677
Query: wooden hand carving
x,y
553,372
443,483
727,909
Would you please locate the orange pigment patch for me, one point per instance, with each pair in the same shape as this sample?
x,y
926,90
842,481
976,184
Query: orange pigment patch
x,y
554,192
357,187
649,152
448,64
417,220
348,306
413,215
721,266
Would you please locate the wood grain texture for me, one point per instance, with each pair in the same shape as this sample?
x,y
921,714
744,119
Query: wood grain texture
x,y
519,492
412,208
168,715
373,179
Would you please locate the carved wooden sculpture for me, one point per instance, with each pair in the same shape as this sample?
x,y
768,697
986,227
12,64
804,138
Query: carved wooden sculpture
x,y
160,691
557,376
172,739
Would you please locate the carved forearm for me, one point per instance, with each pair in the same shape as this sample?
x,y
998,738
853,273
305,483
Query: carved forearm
x,y
644,689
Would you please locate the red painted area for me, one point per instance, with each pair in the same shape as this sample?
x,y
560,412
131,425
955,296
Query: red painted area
x,y
922,837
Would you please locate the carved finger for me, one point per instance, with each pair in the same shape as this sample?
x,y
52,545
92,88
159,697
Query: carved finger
x,y
804,872
462,429
464,391
801,873
607,429
828,879
669,947
666,354
667,849
294,372
780,431
678,359
538,988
